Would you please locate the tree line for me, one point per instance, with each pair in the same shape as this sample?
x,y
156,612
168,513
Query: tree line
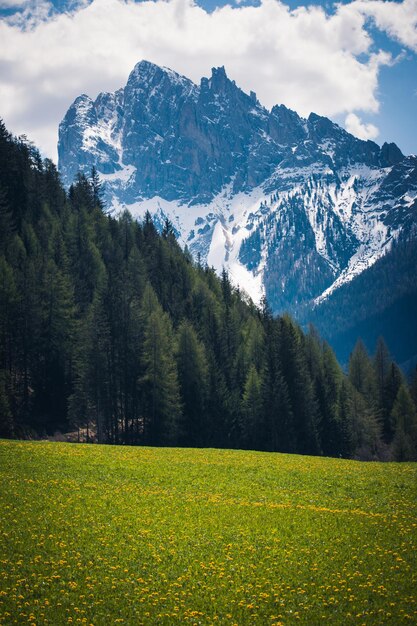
x,y
109,326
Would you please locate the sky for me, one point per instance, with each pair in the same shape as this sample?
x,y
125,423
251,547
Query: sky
x,y
354,62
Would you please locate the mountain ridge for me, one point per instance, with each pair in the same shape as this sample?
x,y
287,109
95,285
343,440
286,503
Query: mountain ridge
x,y
292,207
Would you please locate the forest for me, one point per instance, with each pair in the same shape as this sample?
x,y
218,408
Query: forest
x,y
108,326
380,301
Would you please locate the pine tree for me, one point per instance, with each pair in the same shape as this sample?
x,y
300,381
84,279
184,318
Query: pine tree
x,y
206,315
55,319
193,380
404,417
366,412
161,395
251,348
52,191
362,374
301,393
251,410
99,377
279,431
229,342
8,312
364,426
220,408
87,263
334,430
382,363
7,427
345,419
97,188
382,367
7,226
81,194
168,229
393,382
81,412
413,387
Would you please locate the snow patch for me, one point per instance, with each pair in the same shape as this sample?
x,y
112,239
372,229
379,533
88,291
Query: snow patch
x,y
123,175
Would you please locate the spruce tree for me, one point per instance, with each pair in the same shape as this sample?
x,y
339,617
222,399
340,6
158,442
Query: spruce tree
x,y
365,428
404,417
8,311
367,415
7,226
97,188
333,429
279,432
393,382
345,419
252,422
362,374
382,367
413,387
382,362
55,320
193,380
160,388
251,348
300,388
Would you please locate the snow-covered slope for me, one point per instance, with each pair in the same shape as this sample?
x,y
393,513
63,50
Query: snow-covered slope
x,y
292,207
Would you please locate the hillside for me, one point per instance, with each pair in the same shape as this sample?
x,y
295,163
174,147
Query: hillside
x,y
379,302
109,327
174,536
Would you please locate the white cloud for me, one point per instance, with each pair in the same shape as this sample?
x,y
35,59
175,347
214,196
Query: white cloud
x,y
304,58
355,126
8,4
32,13
398,19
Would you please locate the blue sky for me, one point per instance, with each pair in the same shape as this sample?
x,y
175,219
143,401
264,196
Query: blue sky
x,y
355,61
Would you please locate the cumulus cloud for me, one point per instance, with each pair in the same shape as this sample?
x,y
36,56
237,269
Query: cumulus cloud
x,y
305,58
397,19
355,126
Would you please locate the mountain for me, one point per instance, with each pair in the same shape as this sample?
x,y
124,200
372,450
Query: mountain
x,y
292,207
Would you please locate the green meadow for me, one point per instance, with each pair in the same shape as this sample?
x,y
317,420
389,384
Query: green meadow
x,y
104,535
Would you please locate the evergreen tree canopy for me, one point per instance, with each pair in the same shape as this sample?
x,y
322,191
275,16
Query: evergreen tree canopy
x,y
109,328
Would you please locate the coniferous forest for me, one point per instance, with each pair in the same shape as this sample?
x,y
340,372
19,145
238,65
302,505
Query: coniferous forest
x,y
108,326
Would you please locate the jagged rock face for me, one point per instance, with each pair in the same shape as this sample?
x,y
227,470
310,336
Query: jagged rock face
x,y
292,206
185,142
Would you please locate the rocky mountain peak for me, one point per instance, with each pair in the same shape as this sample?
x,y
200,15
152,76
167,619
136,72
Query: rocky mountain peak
x,y
143,68
322,129
219,80
292,207
390,154
82,109
149,75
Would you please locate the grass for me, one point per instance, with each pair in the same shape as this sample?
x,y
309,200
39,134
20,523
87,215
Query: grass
x,y
115,535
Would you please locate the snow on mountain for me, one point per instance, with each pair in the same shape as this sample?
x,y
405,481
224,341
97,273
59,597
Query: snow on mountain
x,y
292,207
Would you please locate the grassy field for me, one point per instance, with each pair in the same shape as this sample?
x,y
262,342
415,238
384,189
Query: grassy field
x,y
116,535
